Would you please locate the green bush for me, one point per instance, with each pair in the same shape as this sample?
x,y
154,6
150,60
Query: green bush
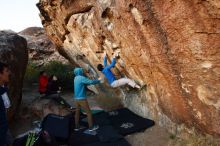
x,y
62,71
32,73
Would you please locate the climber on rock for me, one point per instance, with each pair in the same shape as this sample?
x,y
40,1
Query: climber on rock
x,y
106,70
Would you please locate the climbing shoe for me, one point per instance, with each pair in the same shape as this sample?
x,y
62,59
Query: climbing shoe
x,y
93,128
143,87
78,128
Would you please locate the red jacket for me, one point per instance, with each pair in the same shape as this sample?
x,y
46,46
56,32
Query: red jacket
x,y
43,81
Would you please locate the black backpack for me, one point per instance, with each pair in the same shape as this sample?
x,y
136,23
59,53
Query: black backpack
x,y
57,126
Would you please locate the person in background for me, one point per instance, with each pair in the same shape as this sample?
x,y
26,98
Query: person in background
x,y
43,81
106,70
53,86
80,83
4,103
53,91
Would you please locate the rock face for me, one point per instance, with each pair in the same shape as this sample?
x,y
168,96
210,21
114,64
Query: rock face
x,y
14,52
41,49
172,46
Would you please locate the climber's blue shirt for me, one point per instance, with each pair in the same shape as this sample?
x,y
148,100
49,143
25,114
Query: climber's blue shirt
x,y
80,83
107,70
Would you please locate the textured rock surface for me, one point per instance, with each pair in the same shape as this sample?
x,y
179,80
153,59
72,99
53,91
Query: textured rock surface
x,y
14,52
41,108
172,46
41,49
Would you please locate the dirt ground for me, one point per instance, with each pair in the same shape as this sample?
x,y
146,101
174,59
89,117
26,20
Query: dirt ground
x,y
155,136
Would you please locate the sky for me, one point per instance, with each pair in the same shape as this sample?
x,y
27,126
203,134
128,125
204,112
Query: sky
x,y
17,15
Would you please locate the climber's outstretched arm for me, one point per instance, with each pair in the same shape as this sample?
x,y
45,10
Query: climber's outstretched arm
x,y
112,63
105,60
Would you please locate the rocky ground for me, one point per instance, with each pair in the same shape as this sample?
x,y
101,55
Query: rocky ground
x,y
155,136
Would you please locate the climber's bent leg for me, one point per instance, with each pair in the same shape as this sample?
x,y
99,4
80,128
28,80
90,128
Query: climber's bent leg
x,y
124,81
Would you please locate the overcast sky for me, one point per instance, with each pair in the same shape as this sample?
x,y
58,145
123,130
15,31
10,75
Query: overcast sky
x,y
19,14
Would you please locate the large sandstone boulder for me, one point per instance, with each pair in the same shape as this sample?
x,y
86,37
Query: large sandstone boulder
x,y
14,52
172,46
41,49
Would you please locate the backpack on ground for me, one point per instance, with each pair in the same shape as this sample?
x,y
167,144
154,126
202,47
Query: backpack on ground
x,y
57,126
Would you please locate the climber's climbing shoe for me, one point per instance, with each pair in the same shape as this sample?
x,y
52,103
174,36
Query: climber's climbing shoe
x,y
144,86
131,89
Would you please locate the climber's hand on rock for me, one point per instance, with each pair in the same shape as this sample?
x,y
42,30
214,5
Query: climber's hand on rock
x,y
116,54
101,79
105,54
